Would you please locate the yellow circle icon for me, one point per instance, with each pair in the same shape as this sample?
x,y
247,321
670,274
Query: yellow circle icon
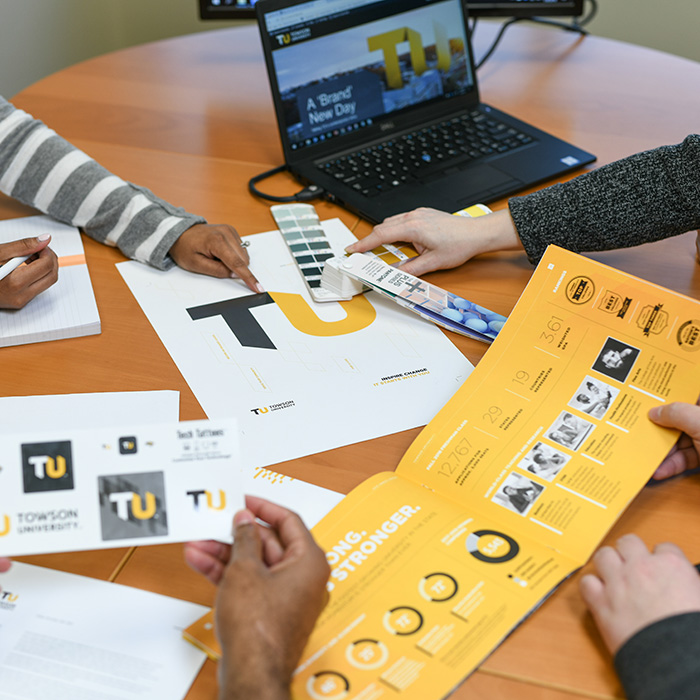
x,y
327,685
367,654
403,620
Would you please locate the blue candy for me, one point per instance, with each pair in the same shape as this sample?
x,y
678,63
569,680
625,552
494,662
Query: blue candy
x,y
452,314
482,310
462,303
477,324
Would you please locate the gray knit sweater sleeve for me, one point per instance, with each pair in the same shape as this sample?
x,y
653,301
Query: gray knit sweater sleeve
x,y
41,169
643,198
662,661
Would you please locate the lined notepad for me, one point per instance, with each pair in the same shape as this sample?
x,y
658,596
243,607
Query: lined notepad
x,y
65,310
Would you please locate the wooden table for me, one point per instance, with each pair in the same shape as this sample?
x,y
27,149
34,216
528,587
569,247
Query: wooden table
x,y
192,119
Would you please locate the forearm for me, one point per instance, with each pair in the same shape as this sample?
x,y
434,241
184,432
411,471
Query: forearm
x,y
643,198
249,670
661,661
249,686
41,169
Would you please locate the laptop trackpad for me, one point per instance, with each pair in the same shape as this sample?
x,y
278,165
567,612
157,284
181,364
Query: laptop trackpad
x,y
467,186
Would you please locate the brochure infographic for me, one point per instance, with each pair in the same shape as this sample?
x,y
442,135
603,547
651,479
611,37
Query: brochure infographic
x,y
507,491
69,490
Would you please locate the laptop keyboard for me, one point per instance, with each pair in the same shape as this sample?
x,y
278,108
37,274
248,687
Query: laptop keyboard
x,y
452,143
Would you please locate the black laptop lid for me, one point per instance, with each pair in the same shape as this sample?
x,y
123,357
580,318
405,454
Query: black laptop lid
x,y
345,72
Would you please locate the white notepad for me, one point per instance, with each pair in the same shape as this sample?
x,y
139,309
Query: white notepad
x,y
65,310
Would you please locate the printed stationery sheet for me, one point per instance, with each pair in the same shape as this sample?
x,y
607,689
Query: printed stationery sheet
x,y
68,637
113,487
286,366
508,490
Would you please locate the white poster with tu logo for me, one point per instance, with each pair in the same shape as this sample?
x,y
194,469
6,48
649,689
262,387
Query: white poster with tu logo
x,y
68,490
298,376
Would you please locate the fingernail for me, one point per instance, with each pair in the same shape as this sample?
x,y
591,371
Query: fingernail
x,y
243,517
43,237
259,287
655,413
349,249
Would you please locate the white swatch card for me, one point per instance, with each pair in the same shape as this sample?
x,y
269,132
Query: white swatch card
x,y
69,637
122,486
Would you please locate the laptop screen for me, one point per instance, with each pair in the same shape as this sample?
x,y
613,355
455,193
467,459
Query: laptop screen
x,y
343,65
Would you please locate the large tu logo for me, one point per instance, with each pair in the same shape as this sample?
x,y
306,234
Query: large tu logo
x,y
209,499
387,44
47,466
238,317
129,504
132,505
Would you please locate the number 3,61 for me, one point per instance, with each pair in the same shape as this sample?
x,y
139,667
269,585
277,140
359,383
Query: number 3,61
x,y
554,324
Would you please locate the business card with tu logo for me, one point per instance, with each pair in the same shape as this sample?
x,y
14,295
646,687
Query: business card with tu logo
x,y
118,486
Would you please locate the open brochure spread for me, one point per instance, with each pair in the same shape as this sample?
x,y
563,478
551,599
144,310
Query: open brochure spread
x,y
508,490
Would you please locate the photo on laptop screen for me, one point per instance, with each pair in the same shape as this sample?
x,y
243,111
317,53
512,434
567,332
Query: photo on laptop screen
x,y
377,103
382,66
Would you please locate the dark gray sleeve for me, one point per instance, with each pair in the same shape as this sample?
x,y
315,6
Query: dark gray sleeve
x,y
41,169
662,662
643,198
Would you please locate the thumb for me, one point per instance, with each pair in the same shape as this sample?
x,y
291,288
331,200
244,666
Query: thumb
x,y
247,544
24,246
681,416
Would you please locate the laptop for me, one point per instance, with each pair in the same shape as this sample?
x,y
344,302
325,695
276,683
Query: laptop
x,y
377,103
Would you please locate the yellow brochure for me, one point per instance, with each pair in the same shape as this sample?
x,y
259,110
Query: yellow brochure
x,y
508,490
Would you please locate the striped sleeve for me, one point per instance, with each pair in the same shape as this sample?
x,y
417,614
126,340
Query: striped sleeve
x,y
41,169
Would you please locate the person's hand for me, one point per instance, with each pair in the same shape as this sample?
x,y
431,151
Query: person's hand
x,y
633,588
442,240
32,278
214,250
272,588
685,454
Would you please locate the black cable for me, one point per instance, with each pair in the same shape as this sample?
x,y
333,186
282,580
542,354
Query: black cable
x,y
305,195
575,26
589,16
496,41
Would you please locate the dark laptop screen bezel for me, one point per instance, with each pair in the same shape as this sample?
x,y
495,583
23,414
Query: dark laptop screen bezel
x,y
394,122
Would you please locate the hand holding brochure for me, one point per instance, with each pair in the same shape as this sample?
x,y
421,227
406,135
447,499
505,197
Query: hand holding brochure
x,y
508,490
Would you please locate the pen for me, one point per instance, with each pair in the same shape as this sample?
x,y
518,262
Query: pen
x,y
12,264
